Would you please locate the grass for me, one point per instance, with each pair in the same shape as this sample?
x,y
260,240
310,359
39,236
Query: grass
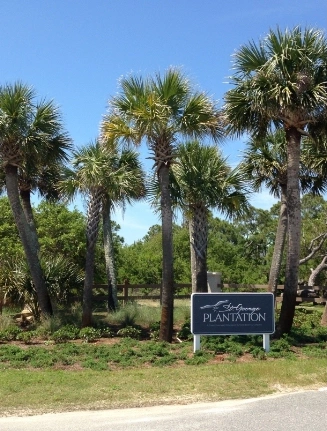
x,y
26,391
49,373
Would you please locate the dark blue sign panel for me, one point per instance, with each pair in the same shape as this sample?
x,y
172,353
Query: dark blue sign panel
x,y
232,313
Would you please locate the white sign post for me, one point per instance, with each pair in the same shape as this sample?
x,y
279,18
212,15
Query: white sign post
x,y
197,342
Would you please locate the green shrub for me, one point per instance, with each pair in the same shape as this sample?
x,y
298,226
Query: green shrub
x,y
10,333
199,357
89,335
129,332
66,333
281,345
258,353
48,326
95,365
221,345
281,348
154,326
154,330
106,332
185,331
27,337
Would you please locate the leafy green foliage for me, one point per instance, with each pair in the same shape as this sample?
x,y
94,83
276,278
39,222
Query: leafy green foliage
x,y
63,279
154,329
281,348
185,332
61,231
199,358
130,332
27,337
308,339
66,333
89,334
10,333
10,244
307,327
221,345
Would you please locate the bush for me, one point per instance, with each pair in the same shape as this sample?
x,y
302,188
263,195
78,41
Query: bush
x,y
154,331
66,333
130,332
185,331
258,353
89,335
48,326
10,333
106,332
27,336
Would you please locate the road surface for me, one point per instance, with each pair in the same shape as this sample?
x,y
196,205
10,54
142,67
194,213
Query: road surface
x,y
301,411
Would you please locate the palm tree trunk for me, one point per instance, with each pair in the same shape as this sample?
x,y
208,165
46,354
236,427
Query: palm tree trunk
x,y
293,138
28,241
28,211
109,256
277,257
311,282
167,309
92,229
27,208
198,229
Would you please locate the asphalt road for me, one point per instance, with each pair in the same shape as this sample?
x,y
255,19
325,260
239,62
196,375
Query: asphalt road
x,y
301,411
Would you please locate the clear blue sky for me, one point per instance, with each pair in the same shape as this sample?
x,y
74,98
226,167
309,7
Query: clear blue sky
x,y
74,51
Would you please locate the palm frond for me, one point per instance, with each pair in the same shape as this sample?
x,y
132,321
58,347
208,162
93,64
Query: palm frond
x,y
279,81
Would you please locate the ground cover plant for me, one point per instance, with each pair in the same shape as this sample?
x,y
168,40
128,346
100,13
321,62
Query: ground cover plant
x,y
125,350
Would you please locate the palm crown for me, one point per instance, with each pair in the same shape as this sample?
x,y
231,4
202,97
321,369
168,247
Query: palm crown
x,y
201,177
159,109
280,81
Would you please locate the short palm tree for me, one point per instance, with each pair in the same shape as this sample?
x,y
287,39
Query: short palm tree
x,y
202,180
281,82
161,110
28,130
107,177
317,158
126,186
265,163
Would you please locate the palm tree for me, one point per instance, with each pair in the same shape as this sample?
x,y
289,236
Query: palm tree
x,y
317,158
42,175
265,163
27,132
160,110
202,180
281,82
107,178
125,186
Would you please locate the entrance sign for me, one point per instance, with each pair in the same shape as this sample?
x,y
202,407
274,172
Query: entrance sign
x,y
232,314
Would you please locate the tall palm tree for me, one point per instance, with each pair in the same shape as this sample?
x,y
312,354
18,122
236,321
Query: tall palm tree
x,y
107,177
42,175
27,132
160,110
281,82
202,180
265,163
